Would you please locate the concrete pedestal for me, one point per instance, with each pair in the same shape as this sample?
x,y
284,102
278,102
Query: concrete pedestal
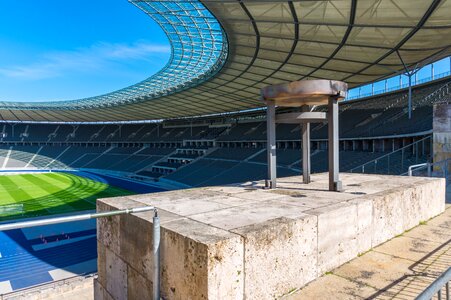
x,y
244,242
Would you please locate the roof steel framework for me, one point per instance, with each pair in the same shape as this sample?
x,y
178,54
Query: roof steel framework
x,y
220,68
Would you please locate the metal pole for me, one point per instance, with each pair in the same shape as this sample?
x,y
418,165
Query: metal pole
x,y
332,116
156,256
416,152
388,163
50,221
410,95
271,144
436,286
305,148
402,160
432,71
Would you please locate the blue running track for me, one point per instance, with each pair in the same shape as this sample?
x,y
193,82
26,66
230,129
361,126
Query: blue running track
x,y
38,255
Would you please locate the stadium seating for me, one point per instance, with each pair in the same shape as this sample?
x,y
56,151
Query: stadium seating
x,y
230,149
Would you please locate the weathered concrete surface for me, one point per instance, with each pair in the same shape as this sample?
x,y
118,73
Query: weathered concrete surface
x,y
77,288
398,269
241,241
442,133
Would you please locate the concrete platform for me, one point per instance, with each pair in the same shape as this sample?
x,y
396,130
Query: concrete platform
x,y
398,269
236,242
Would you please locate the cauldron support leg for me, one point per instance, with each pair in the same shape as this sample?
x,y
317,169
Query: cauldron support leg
x,y
305,148
333,147
271,144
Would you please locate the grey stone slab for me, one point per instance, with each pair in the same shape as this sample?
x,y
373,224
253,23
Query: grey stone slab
x,y
331,287
201,262
306,202
138,286
250,214
337,235
280,255
376,269
443,221
194,206
431,233
116,279
99,292
405,247
108,229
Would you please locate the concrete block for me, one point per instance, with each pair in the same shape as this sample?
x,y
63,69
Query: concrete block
x,y
201,262
236,242
240,216
337,235
100,293
108,229
138,287
364,224
101,264
432,198
136,242
116,281
387,215
280,255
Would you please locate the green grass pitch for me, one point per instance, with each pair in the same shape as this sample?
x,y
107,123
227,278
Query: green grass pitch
x,y
50,193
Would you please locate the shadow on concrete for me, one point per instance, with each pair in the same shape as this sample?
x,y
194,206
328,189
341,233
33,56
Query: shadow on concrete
x,y
425,271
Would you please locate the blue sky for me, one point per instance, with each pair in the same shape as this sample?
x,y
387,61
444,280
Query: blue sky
x,y
63,50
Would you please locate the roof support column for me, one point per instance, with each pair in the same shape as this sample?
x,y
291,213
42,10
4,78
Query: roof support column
x,y
271,144
410,95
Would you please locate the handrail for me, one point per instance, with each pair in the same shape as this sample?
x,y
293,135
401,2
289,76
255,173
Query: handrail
x,y
73,218
419,166
436,287
430,166
388,154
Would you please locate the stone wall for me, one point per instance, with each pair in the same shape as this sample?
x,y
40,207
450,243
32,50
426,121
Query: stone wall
x,y
442,133
244,242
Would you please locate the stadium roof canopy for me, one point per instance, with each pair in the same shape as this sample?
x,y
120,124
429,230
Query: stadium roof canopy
x,y
224,51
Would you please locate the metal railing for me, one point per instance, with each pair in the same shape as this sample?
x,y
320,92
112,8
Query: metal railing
x,y
398,87
437,169
156,233
388,160
420,166
436,288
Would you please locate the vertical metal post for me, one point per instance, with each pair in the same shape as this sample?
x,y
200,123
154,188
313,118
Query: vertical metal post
x,y
388,163
402,160
416,152
410,95
447,291
422,148
305,148
271,144
332,116
156,256
432,71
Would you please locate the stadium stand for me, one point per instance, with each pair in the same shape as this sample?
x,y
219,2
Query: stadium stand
x,y
225,149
